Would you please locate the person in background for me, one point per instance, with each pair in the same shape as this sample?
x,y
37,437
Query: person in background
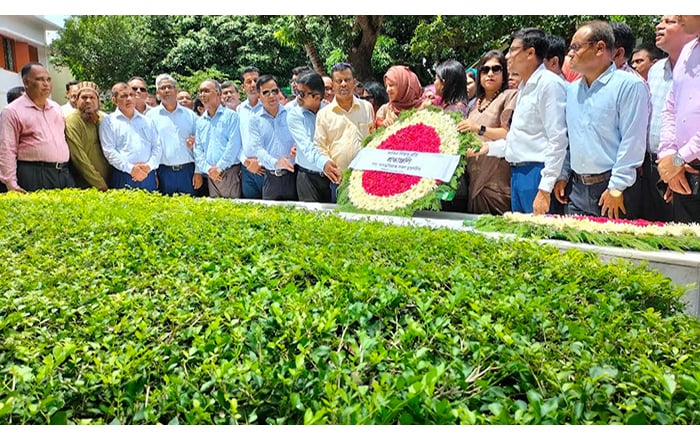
x,y
198,106
72,98
328,85
89,165
471,75
405,93
14,93
679,149
176,126
670,37
130,143
34,153
140,88
184,98
556,52
151,101
624,43
489,176
643,57
376,94
230,96
514,80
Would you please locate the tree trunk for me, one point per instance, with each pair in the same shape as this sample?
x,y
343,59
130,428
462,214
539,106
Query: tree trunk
x,y
361,51
316,61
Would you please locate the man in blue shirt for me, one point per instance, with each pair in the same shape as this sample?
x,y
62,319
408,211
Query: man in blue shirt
x,y
312,184
607,114
271,143
130,143
251,172
176,127
217,143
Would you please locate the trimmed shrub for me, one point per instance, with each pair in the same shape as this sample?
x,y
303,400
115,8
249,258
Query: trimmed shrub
x,y
127,307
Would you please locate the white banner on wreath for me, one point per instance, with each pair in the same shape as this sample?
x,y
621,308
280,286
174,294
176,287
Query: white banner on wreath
x,y
429,165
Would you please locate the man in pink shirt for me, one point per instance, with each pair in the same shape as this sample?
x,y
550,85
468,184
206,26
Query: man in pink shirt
x,y
679,149
33,150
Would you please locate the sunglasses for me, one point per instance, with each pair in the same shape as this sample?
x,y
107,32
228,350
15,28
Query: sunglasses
x,y
495,69
274,91
139,89
303,94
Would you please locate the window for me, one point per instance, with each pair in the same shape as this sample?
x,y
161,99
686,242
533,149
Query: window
x,y
8,54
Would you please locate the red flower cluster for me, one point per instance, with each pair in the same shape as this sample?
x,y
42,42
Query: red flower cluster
x,y
417,137
638,222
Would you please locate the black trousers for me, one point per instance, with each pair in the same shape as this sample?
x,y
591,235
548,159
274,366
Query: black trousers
x,y
686,208
33,176
279,187
313,186
654,207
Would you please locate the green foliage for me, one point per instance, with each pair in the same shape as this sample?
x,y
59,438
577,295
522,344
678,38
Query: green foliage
x,y
192,81
127,307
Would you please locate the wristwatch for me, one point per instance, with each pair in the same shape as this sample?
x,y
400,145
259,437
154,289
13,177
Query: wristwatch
x,y
615,193
482,130
678,160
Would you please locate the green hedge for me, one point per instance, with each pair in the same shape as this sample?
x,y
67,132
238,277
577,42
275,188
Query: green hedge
x,y
126,307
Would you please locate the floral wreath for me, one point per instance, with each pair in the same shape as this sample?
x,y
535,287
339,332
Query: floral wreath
x,y
429,130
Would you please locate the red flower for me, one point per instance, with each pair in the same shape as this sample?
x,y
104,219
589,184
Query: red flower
x,y
417,137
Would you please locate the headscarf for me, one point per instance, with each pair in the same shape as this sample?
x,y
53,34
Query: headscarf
x,y
408,86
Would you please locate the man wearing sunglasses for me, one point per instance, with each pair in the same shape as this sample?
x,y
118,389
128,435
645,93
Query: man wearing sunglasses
x,y
312,184
271,143
607,114
138,85
536,144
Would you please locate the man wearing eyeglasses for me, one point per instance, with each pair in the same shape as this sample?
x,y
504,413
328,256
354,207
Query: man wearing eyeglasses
x,y
176,127
296,72
271,143
535,145
342,125
138,85
217,143
312,184
679,148
130,143
607,114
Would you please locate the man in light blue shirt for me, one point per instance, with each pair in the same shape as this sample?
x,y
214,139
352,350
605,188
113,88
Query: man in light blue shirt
x,y
535,145
252,172
176,127
130,143
271,143
217,143
312,184
607,113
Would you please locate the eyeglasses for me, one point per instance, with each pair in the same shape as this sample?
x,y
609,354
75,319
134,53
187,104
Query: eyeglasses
x,y
274,91
303,94
575,46
165,87
139,89
341,66
496,68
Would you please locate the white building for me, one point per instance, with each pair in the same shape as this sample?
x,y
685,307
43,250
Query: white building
x,y
22,39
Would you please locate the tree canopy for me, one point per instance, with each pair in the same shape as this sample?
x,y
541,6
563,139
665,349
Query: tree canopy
x,y
108,49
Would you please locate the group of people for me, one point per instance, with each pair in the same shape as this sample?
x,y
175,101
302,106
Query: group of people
x,y
574,131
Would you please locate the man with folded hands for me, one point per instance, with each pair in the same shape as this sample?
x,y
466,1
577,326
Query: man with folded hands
x,y
607,114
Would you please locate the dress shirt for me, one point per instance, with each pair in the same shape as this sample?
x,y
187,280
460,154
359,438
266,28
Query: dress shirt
x,y
302,126
538,130
339,133
174,128
29,133
608,124
660,79
85,150
270,138
292,103
67,109
217,142
245,113
126,142
680,131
